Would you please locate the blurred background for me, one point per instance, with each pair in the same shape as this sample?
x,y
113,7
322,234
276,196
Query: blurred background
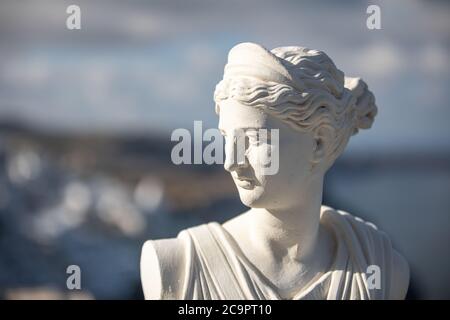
x,y
86,117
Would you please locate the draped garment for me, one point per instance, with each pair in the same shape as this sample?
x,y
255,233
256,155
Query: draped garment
x,y
216,268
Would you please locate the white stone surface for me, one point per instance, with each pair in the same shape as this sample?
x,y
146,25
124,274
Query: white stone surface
x,y
288,245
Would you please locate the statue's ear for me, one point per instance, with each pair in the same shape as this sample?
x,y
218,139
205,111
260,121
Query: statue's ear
x,y
322,143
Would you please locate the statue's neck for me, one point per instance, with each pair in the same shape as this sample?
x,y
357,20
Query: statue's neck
x,y
292,230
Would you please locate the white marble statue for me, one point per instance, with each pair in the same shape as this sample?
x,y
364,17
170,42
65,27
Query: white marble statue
x,y
287,245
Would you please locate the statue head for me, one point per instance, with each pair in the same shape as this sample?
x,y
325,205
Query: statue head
x,y
301,93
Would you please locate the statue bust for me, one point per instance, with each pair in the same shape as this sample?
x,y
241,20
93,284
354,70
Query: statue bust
x,y
287,245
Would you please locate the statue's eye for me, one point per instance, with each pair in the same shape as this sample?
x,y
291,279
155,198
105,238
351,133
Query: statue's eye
x,y
252,136
256,137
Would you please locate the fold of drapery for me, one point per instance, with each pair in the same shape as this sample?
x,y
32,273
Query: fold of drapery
x,y
216,268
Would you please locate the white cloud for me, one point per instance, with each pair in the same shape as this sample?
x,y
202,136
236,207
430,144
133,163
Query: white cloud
x,y
434,60
380,59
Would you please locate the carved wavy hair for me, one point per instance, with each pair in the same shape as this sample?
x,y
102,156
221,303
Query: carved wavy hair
x,y
330,100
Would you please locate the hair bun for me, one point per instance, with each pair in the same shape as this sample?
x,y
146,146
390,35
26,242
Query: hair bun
x,y
365,108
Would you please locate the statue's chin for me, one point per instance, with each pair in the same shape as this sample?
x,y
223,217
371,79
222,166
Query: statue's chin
x,y
252,198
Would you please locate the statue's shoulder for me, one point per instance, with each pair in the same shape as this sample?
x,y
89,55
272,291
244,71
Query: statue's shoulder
x,y
370,236
163,268
400,278
399,268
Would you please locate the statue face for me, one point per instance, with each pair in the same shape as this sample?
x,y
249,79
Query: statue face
x,y
295,149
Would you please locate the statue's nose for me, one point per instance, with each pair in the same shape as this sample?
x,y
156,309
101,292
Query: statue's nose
x,y
234,158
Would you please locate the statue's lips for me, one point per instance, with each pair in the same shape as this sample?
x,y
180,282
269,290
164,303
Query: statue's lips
x,y
245,183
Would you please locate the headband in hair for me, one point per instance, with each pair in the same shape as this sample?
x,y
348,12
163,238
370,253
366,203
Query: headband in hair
x,y
252,60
